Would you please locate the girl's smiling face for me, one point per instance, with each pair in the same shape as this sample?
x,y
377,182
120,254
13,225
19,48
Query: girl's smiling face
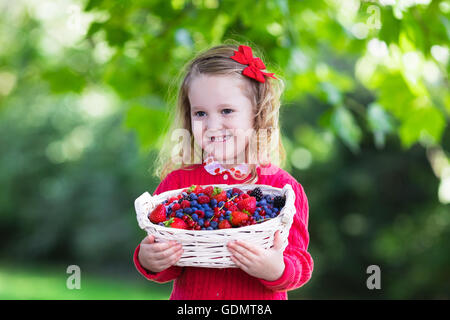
x,y
221,116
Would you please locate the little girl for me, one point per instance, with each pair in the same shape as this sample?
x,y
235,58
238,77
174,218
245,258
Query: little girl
x,y
226,97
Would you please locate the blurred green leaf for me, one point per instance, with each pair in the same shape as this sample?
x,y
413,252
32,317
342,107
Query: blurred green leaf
x,y
346,127
148,123
380,122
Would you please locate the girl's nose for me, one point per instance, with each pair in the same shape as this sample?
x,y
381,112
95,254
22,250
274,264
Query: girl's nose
x,y
214,122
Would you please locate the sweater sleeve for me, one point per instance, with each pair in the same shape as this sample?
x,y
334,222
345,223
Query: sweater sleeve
x,y
298,262
171,273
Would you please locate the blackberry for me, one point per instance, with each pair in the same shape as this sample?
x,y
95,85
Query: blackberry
x,y
279,201
257,193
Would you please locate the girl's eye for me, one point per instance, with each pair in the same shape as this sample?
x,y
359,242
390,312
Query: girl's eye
x,y
227,111
200,113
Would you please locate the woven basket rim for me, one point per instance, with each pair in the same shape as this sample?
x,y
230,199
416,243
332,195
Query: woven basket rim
x,y
158,199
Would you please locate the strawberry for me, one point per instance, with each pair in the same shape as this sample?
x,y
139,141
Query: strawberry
x,y
158,214
238,218
176,223
224,224
248,204
203,199
222,196
195,189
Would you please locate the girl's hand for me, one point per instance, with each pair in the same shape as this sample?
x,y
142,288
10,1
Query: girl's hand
x,y
159,256
264,264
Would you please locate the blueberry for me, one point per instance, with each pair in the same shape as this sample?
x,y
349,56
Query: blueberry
x,y
201,194
194,203
220,219
209,228
209,214
193,196
179,214
213,202
263,202
161,224
229,194
188,210
228,212
269,212
213,224
275,210
200,222
179,211
194,217
221,203
235,194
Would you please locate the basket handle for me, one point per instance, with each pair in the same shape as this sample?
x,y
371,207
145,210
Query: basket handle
x,y
289,205
143,205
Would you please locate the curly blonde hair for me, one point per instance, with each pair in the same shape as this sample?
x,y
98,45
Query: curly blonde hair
x,y
265,98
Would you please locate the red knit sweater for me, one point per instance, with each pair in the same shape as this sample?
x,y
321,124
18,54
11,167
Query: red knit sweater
x,y
233,283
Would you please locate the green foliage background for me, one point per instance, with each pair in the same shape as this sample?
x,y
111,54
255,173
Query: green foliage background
x,y
86,89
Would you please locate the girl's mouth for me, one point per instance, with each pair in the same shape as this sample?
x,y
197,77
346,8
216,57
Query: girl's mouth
x,y
220,138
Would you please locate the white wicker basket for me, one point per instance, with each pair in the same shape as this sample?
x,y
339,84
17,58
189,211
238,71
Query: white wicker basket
x,y
208,248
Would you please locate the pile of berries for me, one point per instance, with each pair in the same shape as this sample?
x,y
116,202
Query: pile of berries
x,y
212,208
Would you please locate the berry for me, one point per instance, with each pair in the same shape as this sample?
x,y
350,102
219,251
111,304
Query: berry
x,y
224,224
203,199
257,193
176,207
199,213
176,223
222,196
237,190
208,191
185,204
237,218
158,214
173,199
248,204
214,224
279,201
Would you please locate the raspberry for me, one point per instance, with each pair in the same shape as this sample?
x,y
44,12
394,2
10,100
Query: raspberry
x,y
203,199
185,204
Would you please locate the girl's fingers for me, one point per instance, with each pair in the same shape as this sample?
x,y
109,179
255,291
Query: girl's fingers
x,y
168,253
247,247
161,246
242,257
239,264
243,250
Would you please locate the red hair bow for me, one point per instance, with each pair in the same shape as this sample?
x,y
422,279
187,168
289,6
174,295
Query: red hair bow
x,y
245,56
